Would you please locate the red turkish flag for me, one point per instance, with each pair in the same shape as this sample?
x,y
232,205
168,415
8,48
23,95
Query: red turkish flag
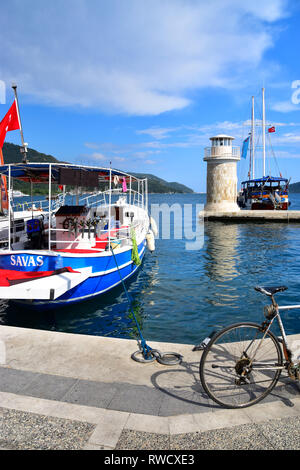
x,y
271,129
10,122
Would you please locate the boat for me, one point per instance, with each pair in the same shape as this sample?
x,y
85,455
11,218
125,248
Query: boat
x,y
74,252
267,192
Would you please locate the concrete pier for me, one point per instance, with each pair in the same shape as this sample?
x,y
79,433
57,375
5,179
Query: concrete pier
x,y
69,391
252,216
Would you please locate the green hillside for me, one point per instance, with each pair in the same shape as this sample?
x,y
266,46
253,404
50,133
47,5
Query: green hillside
x,y
294,188
12,154
158,185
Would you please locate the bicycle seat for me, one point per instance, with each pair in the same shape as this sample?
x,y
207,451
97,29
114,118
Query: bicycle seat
x,y
270,290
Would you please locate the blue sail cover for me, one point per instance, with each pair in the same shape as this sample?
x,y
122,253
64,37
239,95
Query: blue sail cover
x,y
266,179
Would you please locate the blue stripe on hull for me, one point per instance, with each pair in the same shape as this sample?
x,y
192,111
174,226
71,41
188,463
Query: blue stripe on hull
x,y
33,262
94,285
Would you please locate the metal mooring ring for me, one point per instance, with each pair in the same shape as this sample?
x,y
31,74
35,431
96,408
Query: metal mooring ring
x,y
136,354
166,358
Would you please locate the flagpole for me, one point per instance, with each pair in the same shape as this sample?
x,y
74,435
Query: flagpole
x,y
24,145
252,139
263,132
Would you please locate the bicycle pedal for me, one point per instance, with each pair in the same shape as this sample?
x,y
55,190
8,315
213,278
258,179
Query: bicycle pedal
x,y
201,346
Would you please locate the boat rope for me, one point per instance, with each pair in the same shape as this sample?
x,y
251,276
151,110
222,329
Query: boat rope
x,y
145,353
274,156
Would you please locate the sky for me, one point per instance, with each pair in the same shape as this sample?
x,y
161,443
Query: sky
x,y
144,84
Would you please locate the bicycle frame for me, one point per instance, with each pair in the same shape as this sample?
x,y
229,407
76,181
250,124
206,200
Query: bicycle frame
x,y
266,327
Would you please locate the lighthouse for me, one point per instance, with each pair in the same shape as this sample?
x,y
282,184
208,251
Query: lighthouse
x,y
221,178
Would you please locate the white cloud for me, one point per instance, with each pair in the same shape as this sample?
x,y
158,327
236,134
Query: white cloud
x,y
284,154
287,139
139,58
91,145
99,156
158,132
285,107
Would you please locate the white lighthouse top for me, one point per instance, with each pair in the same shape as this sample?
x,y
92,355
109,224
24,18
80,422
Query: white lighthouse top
x,y
221,140
221,148
222,136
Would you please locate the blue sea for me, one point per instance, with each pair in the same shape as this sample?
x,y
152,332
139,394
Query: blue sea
x,y
180,295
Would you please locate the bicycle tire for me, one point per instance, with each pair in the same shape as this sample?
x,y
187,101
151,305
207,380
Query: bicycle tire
x,y
222,360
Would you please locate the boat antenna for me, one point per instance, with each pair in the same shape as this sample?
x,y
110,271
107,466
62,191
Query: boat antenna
x,y
23,149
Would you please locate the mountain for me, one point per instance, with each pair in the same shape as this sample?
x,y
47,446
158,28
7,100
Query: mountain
x,y
158,185
12,154
294,187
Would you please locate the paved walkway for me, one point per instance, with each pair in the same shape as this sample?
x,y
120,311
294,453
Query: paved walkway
x,y
65,391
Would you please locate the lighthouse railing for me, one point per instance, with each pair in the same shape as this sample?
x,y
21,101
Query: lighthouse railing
x,y
221,151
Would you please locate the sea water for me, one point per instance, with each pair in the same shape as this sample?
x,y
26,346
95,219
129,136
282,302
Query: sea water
x,y
182,294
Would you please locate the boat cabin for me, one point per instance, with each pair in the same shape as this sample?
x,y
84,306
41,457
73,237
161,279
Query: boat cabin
x,y
108,203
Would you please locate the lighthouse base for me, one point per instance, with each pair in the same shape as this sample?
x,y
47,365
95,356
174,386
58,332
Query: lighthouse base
x,y
224,206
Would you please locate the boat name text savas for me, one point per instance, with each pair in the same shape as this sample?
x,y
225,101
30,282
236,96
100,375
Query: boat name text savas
x,y
26,260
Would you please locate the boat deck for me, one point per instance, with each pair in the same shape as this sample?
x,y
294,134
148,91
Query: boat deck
x,y
252,216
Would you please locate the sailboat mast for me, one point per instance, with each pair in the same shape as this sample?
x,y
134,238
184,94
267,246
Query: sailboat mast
x,y
263,131
252,138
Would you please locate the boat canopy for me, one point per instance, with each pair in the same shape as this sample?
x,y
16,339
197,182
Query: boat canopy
x,y
266,179
62,173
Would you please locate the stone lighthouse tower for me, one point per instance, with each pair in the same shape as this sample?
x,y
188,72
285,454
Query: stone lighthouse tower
x,y
221,180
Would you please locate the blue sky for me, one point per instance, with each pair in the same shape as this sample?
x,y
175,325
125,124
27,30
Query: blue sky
x,y
144,84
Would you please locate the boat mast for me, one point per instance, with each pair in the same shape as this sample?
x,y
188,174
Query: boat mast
x,y
252,139
263,132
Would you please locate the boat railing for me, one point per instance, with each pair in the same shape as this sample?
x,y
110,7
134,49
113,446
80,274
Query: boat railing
x,y
122,236
136,198
41,204
90,200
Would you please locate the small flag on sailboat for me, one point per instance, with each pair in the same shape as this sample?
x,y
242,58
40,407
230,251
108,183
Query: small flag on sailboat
x,y
245,147
271,129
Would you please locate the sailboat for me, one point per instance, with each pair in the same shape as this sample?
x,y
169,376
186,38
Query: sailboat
x,y
267,192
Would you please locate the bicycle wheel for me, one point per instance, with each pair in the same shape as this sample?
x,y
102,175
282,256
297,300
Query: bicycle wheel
x,y
236,369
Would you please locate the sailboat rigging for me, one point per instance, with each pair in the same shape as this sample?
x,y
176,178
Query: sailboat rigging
x,y
268,192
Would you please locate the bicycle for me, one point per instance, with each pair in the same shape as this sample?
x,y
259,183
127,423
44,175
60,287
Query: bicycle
x,y
242,363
